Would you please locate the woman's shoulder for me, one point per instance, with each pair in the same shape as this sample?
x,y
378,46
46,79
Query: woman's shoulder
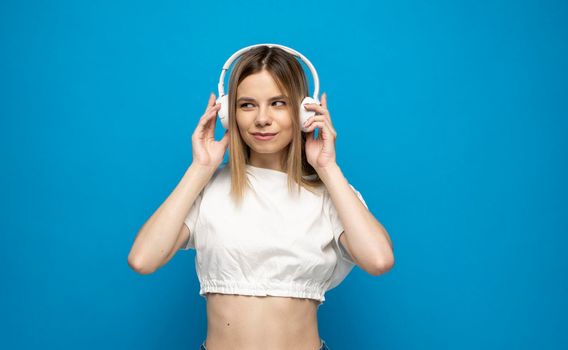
x,y
222,173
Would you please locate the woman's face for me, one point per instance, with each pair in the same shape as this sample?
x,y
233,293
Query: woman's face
x,y
261,107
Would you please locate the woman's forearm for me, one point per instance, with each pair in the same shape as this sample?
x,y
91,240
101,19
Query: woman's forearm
x,y
158,235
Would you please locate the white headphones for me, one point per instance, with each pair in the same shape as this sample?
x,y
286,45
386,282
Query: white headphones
x,y
224,99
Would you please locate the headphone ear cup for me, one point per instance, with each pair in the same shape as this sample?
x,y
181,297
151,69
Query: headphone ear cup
x,y
224,111
306,114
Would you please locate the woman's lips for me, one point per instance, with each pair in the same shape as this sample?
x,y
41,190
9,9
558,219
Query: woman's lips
x,y
264,137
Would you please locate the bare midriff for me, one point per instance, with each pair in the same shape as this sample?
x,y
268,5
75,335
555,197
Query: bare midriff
x,y
240,322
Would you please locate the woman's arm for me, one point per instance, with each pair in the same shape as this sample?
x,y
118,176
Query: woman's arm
x,y
365,239
159,236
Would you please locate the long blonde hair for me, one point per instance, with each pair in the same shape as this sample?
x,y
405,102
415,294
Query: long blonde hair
x,y
291,80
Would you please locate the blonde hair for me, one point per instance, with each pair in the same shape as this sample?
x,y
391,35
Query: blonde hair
x,y
291,80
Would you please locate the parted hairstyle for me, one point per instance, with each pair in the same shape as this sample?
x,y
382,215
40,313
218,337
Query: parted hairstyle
x,y
291,80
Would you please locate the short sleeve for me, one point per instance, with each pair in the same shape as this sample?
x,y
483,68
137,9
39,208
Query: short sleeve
x,y
191,222
337,225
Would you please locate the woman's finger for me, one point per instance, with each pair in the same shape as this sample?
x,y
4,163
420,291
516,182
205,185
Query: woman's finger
x,y
320,110
318,124
321,118
212,106
315,107
317,117
211,101
324,130
210,110
324,100
206,118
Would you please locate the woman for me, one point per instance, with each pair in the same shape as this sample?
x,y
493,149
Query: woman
x,y
267,227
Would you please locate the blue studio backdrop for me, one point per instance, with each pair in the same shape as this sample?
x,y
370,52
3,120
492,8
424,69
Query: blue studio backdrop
x,y
452,123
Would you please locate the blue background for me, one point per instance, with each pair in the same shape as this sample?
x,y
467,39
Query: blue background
x,y
452,123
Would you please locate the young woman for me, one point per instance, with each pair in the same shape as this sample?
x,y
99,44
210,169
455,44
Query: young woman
x,y
268,226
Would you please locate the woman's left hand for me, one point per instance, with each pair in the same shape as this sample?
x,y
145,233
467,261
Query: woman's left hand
x,y
320,152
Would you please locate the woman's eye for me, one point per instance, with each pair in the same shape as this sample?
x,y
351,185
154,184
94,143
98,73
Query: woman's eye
x,y
244,105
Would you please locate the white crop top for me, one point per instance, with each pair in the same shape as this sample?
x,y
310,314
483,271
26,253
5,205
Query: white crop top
x,y
276,244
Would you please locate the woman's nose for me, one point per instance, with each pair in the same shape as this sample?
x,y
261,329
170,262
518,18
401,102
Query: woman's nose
x,y
263,115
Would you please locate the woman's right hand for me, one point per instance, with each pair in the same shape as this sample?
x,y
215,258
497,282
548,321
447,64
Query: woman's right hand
x,y
206,151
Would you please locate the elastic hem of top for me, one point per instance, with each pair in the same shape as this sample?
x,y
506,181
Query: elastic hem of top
x,y
259,288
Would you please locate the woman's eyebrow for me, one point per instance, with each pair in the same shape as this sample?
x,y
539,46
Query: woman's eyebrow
x,y
279,97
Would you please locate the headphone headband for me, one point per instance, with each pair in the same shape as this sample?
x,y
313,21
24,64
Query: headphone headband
x,y
295,53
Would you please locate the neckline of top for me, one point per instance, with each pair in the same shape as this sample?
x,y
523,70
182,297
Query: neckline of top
x,y
273,172
266,170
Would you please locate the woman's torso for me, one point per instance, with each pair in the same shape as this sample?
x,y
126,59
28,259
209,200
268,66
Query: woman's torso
x,y
252,322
